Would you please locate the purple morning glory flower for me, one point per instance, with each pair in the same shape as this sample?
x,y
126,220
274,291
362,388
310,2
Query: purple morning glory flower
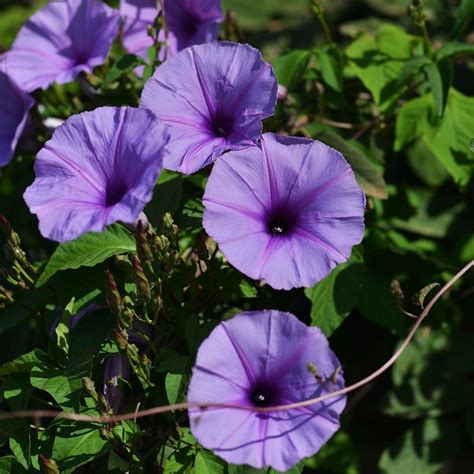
x,y
213,97
287,212
99,167
116,367
137,15
263,359
14,108
60,41
189,22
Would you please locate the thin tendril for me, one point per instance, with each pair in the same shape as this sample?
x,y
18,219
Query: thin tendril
x,y
37,414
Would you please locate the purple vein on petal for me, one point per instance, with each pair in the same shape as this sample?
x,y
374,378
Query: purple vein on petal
x,y
242,180
293,359
271,178
227,438
183,121
272,243
235,207
185,99
98,187
247,88
311,196
298,174
263,427
217,374
202,82
191,154
320,242
240,237
240,353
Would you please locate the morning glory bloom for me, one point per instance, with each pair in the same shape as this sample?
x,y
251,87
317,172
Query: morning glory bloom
x,y
213,97
286,212
60,41
265,359
137,15
14,108
188,22
116,367
98,168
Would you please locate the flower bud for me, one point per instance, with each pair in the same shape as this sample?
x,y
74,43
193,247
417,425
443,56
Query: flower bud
x,y
112,295
143,286
49,466
121,337
143,247
89,387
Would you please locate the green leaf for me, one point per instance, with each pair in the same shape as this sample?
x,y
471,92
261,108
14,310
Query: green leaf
x,y
448,138
432,376
24,363
330,63
124,65
18,432
9,465
425,165
207,463
411,67
450,50
338,456
64,385
369,177
74,446
177,379
17,390
61,332
248,289
378,59
166,197
440,77
88,250
333,298
289,68
464,15
422,450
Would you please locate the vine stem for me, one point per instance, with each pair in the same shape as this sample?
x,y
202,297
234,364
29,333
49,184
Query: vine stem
x,y
38,414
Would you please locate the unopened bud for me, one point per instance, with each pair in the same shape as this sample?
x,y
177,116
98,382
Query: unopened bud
x,y
143,247
201,247
397,291
5,227
112,295
121,337
89,387
143,286
48,465
317,7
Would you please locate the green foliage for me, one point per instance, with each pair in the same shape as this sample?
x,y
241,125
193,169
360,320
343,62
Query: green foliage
x,y
333,299
448,138
439,442
399,107
88,250
377,60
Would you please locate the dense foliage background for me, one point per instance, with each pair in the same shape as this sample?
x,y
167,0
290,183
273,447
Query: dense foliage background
x,y
400,107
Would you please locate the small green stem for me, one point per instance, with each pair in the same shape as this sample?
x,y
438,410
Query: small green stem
x,y
325,27
427,39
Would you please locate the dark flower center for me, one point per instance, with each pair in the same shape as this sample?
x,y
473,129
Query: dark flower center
x,y
222,126
281,223
263,396
190,25
114,192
